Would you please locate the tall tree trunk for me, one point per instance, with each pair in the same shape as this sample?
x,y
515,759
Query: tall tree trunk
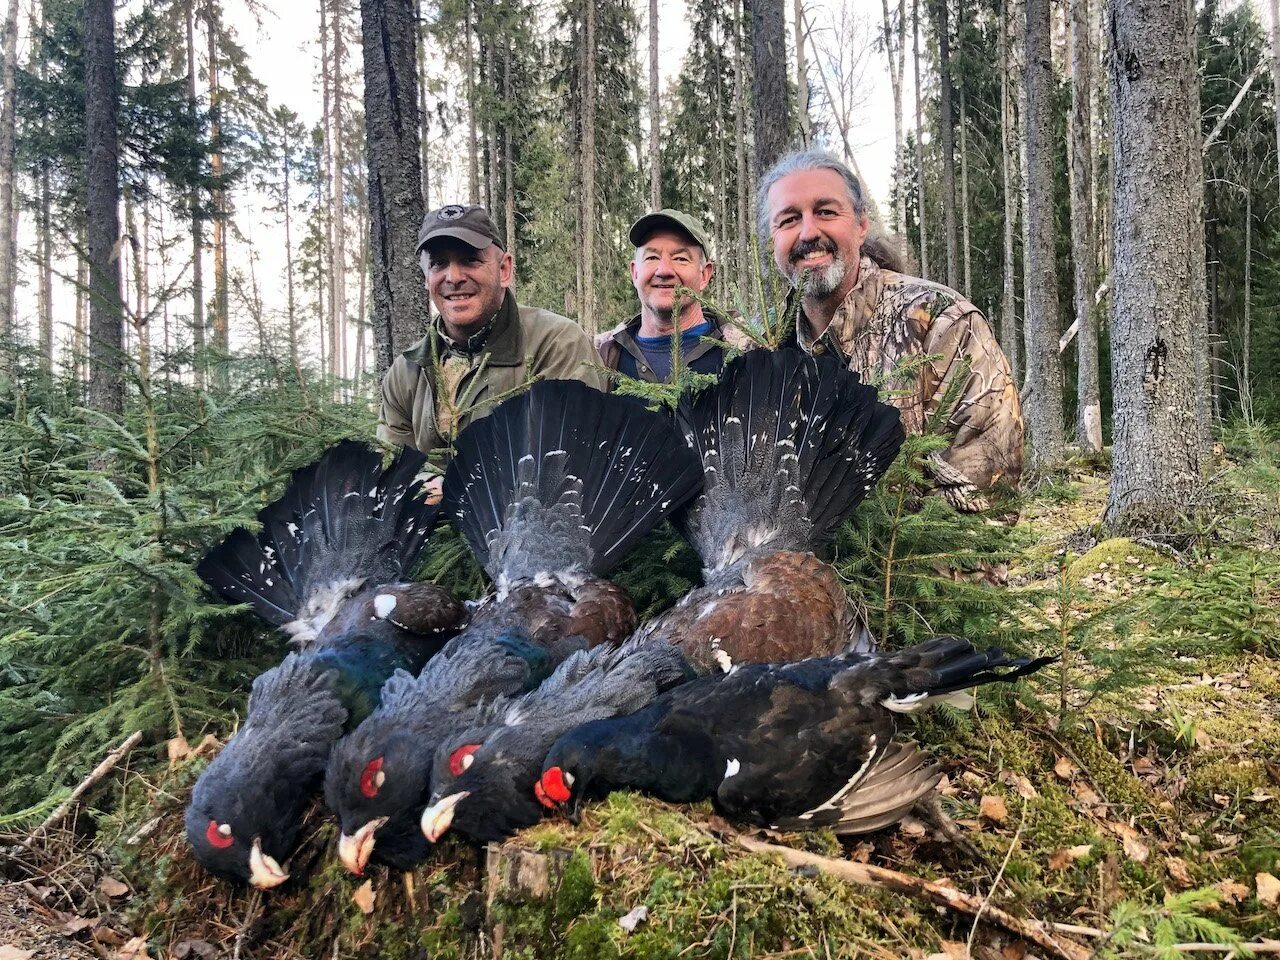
x,y
655,114
338,346
508,151
1089,414
8,130
745,228
395,201
1275,64
966,260
802,74
473,172
946,123
1157,298
291,306
326,193
922,208
894,52
770,93
44,283
492,153
80,336
1043,394
588,304
1008,298
194,212
1246,329
102,198
221,322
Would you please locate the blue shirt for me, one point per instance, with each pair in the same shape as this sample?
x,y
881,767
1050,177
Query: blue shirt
x,y
657,353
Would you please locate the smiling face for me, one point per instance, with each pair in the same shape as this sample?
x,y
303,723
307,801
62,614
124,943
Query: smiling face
x,y
816,232
669,259
466,285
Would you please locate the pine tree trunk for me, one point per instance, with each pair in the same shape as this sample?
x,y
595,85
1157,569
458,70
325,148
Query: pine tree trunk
x,y
1042,406
392,150
588,304
473,148
102,198
946,123
193,208
770,93
1080,142
424,112
338,345
1008,297
894,51
1157,299
508,152
491,150
966,259
44,288
741,268
8,130
1246,330
922,209
326,193
1275,64
221,322
802,74
655,114
80,336
291,306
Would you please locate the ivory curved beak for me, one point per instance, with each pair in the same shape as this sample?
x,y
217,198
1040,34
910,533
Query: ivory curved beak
x,y
437,817
264,871
355,850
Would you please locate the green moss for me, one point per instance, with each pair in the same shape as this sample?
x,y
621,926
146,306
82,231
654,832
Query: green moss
x,y
1119,554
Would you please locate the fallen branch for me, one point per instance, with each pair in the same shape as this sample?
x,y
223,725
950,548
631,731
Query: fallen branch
x,y
1033,931
66,806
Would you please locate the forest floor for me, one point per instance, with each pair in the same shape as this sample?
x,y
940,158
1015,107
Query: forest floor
x,y
1135,818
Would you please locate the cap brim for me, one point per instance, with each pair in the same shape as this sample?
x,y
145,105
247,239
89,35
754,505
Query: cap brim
x,y
470,237
642,228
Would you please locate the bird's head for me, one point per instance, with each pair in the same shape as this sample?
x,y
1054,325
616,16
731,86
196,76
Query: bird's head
x,y
377,778
480,785
567,773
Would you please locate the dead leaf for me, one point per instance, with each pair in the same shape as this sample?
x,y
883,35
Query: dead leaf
x,y
952,950
195,948
1019,784
1061,859
1065,769
1014,951
364,897
633,919
177,748
1134,848
76,924
1180,873
1260,796
208,744
1232,892
135,949
112,887
994,809
912,827
1086,794
1268,889
8,952
1221,799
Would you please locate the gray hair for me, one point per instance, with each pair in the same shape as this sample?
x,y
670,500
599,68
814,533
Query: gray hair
x,y
885,250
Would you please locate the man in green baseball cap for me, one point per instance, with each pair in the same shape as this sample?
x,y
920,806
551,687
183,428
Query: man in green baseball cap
x,y
482,345
672,252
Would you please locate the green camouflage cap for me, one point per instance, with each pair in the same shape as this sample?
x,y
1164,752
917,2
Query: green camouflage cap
x,y
678,220
472,225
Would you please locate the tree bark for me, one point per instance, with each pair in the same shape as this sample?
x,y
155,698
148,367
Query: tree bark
x,y
966,259
655,114
291,305
1042,404
802,75
194,211
740,158
8,130
221,321
338,343
1008,297
1157,297
922,209
325,277
392,150
102,198
508,152
946,123
1275,64
770,93
895,52
588,303
1080,142
473,148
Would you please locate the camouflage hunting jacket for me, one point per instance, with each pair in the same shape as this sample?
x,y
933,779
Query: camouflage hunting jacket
x,y
424,406
887,319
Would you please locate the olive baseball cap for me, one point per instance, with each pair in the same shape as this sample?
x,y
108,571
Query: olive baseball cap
x,y
470,224
673,220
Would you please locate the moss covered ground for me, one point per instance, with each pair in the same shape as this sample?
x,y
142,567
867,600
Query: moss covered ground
x,y
1129,793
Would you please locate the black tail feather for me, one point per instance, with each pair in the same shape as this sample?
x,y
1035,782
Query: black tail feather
x,y
791,444
342,517
565,479
949,664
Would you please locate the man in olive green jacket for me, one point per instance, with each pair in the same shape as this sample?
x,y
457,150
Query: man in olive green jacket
x,y
483,346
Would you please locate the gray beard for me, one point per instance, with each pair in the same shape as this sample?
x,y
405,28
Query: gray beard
x,y
821,283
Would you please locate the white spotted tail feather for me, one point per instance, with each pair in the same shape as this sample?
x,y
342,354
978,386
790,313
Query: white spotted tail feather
x,y
790,444
560,482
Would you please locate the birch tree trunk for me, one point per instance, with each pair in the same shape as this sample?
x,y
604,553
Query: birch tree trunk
x,y
588,305
1080,143
389,42
102,199
922,209
655,114
802,75
948,146
894,52
8,130
1157,297
1042,405
196,216
1008,297
770,93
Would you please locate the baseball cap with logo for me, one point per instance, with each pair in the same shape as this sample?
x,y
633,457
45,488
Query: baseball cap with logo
x,y
670,219
470,224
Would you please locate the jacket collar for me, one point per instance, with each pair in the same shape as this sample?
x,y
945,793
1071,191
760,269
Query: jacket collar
x,y
504,344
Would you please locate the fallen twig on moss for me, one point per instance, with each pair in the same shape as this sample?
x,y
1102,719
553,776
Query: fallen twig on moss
x,y
1034,931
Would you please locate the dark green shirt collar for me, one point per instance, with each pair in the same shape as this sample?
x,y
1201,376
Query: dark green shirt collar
x,y
505,343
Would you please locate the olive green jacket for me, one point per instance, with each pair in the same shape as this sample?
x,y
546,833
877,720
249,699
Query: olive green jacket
x,y
525,343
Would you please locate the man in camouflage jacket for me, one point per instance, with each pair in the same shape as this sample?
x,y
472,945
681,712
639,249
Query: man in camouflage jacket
x,y
857,302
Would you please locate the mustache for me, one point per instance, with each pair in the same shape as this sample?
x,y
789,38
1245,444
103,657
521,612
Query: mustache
x,y
805,247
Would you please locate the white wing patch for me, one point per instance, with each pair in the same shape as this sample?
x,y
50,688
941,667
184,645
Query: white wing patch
x,y
383,604
731,768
